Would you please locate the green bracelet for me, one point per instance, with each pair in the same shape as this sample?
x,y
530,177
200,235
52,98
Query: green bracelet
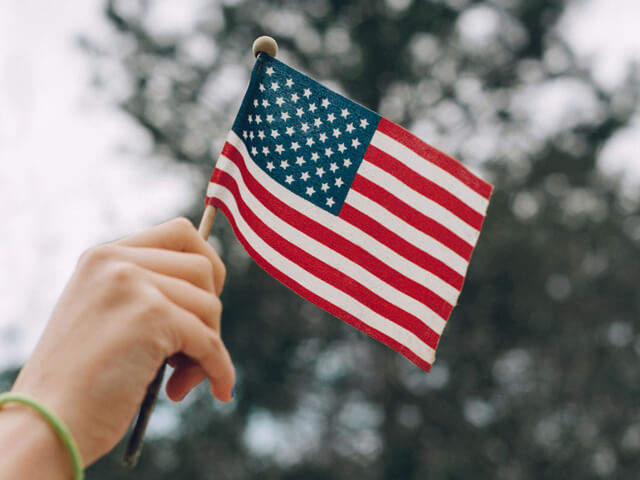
x,y
55,422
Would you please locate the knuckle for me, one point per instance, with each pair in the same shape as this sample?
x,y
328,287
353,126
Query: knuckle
x,y
124,273
215,340
183,225
215,308
223,271
154,304
97,255
203,264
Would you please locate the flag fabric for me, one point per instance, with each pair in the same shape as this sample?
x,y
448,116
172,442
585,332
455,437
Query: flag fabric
x,y
348,209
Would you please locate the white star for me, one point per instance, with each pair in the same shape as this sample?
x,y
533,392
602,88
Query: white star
x,y
261,87
265,150
312,107
279,101
245,134
261,134
295,146
336,132
364,123
265,103
300,161
270,166
347,162
307,93
285,116
320,171
333,167
294,97
304,177
322,137
279,149
289,83
275,86
289,179
275,134
290,131
339,182
315,156
310,142
255,102
328,152
258,120
331,117
317,122
269,118
310,191
344,113
251,134
325,103
330,202
350,127
324,187
284,164
304,127
250,118
269,71
355,143
299,112
254,151
341,147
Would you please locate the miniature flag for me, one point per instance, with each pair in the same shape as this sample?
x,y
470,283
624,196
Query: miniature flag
x,y
348,209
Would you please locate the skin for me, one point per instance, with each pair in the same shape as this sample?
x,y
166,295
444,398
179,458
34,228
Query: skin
x,y
129,305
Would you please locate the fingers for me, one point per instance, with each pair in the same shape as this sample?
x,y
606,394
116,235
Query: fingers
x,y
205,305
192,267
183,380
187,374
178,235
204,345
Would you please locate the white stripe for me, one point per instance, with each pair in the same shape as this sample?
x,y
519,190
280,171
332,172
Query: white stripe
x,y
345,229
406,231
430,171
333,258
321,288
420,202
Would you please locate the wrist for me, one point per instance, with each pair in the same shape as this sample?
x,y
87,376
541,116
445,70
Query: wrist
x,y
31,447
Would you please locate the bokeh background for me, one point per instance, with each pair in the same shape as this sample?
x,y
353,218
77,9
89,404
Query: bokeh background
x,y
111,116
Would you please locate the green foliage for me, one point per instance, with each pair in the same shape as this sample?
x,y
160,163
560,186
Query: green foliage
x,y
537,374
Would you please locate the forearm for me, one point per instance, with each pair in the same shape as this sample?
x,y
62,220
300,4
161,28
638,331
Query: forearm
x,y
30,448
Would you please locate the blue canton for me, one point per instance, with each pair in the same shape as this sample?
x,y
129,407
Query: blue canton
x,y
306,137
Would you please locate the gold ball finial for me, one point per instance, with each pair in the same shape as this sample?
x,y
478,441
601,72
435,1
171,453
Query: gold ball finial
x,y
265,44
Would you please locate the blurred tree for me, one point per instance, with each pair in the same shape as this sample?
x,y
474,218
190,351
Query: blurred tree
x,y
538,373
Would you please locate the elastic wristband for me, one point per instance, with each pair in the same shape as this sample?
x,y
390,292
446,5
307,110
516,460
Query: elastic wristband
x,y
55,422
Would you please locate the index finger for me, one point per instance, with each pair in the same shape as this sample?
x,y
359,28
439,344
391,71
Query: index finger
x,y
180,235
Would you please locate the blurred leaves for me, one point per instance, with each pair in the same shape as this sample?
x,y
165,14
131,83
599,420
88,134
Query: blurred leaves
x,y
537,374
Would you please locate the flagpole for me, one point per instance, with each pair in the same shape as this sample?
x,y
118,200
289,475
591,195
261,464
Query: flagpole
x,y
134,445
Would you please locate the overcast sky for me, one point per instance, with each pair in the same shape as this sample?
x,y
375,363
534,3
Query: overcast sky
x,y
65,185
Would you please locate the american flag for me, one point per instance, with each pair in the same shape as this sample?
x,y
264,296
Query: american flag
x,y
348,209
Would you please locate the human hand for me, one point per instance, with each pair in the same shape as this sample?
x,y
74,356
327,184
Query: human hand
x,y
129,305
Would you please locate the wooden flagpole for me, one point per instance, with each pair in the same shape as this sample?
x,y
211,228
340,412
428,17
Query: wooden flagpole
x,y
134,444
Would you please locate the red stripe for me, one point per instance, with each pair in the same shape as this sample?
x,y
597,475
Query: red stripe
x,y
400,245
412,216
436,157
427,188
327,273
336,242
313,298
